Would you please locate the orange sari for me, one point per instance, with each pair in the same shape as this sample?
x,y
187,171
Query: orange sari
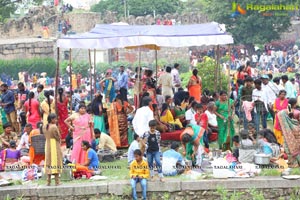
x,y
118,127
195,88
34,159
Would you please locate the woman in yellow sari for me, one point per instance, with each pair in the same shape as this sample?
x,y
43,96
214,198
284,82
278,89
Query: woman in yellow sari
x,y
47,106
167,117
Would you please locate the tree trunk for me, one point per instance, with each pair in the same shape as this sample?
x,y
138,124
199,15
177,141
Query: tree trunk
x,y
250,48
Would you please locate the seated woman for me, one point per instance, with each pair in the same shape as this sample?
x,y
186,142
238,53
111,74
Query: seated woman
x,y
167,117
161,127
91,164
180,112
268,143
212,118
10,157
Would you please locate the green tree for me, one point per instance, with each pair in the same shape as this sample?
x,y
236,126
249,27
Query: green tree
x,y
253,27
6,7
139,7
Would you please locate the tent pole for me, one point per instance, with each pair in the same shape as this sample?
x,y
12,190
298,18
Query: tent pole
x,y
94,71
139,78
219,68
215,72
229,89
156,65
56,78
91,79
71,88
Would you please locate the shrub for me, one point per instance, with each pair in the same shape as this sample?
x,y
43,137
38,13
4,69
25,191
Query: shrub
x,y
34,65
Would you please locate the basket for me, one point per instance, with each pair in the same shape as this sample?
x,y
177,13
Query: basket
x,y
38,142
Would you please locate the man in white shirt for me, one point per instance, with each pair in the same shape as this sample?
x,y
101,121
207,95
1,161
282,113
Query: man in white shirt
x,y
176,77
261,108
166,82
289,88
142,117
190,114
24,143
296,85
271,92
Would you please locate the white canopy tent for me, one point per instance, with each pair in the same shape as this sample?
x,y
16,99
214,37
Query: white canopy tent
x,y
109,36
105,36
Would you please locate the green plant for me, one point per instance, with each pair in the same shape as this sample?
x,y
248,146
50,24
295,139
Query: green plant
x,y
256,195
295,194
126,191
34,65
10,198
166,196
206,70
222,192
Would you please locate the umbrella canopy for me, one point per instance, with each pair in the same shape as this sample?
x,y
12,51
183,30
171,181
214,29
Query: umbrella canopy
x,y
107,36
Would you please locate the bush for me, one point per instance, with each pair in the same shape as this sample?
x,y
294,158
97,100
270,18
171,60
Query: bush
x,y
206,72
34,65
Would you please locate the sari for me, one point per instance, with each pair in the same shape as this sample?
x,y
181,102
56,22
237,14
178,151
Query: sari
x,y
34,158
291,133
197,135
62,107
195,88
167,117
278,106
152,94
82,132
46,110
222,109
109,90
118,124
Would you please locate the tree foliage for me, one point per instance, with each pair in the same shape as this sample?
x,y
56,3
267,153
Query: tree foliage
x,y
138,7
253,27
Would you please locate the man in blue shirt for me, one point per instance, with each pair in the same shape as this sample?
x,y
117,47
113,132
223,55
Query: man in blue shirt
x,y
8,104
123,83
173,162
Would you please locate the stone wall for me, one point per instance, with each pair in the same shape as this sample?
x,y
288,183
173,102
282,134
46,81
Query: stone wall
x,y
31,25
26,48
172,189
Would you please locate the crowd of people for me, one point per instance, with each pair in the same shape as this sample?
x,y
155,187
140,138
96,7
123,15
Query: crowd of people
x,y
159,106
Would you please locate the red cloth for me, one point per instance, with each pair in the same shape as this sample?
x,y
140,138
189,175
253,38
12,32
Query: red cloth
x,y
79,174
173,136
56,2
202,120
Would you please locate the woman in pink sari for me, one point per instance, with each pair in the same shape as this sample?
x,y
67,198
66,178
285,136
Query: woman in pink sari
x,y
281,103
81,125
32,108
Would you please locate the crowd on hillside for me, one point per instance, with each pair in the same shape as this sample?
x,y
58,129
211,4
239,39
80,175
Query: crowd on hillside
x,y
34,116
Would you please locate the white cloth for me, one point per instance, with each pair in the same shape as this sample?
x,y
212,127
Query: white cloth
x,y
212,118
271,91
23,142
176,77
246,143
261,96
190,116
141,120
166,82
133,146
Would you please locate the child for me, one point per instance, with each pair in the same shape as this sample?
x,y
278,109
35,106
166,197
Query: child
x,y
236,144
252,132
245,142
152,139
133,146
202,120
139,172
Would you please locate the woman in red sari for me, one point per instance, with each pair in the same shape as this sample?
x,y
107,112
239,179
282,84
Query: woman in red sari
x,y
281,103
62,107
195,86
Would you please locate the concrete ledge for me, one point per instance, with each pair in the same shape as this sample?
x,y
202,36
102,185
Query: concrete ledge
x,y
96,188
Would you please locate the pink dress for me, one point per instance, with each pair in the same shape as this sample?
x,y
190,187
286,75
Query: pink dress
x,y
33,112
82,132
278,107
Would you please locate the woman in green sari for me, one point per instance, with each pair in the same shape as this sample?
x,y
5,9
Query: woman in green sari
x,y
108,86
225,119
192,142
